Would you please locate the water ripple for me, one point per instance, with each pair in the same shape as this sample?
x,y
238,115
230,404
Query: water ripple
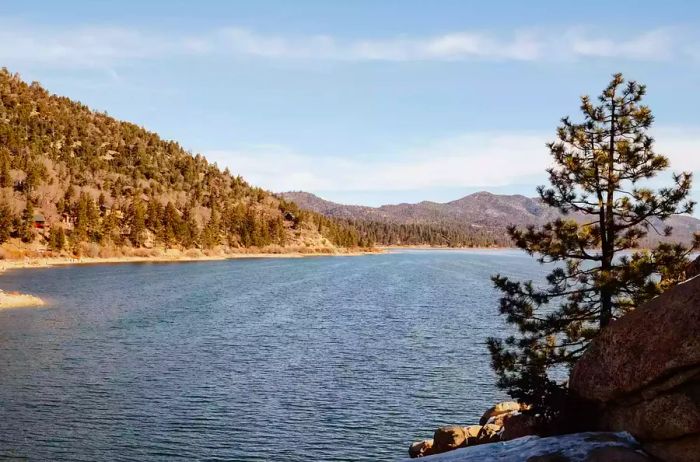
x,y
254,360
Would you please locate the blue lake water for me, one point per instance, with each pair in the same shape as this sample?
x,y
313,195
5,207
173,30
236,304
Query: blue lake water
x,y
326,358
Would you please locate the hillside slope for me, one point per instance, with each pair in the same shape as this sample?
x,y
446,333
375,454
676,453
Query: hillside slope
x,y
73,179
479,217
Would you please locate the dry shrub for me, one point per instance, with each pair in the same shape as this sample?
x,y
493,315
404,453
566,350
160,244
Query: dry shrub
x,y
215,252
143,253
109,252
193,253
273,248
88,249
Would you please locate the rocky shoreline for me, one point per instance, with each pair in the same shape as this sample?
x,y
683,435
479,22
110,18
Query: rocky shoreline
x,y
639,380
502,422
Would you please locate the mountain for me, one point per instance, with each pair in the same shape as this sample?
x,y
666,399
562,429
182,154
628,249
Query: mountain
x,y
477,219
73,180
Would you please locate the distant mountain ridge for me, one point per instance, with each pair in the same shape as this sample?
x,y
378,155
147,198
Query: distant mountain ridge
x,y
483,212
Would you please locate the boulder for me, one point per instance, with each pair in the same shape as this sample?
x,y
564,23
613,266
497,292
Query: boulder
x,y
420,449
499,409
517,425
646,345
497,419
471,432
616,454
642,374
666,416
693,268
577,447
686,449
489,433
449,438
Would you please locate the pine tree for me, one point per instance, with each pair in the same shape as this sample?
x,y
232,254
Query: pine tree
x,y
600,273
6,219
110,227
137,222
57,238
212,231
86,219
5,177
172,225
26,232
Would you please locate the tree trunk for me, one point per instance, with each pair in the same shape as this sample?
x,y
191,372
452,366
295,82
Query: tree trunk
x,y
608,243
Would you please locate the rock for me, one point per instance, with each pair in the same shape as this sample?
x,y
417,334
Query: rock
x,y
642,374
517,425
471,432
496,420
685,449
420,449
489,433
616,454
666,416
644,346
449,438
693,268
577,447
500,408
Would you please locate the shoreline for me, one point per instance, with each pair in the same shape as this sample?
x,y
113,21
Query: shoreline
x,y
9,300
438,247
47,262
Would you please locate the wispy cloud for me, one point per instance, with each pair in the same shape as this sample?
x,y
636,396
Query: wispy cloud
x,y
90,46
79,47
653,45
461,45
473,160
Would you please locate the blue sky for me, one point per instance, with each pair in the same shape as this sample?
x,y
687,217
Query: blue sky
x,y
365,102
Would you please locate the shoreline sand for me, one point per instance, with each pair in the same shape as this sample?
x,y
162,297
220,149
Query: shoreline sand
x,y
45,262
18,300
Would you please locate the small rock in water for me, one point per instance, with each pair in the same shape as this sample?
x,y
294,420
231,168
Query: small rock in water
x,y
420,449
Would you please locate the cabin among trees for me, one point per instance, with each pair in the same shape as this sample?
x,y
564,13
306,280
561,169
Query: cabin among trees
x,y
39,221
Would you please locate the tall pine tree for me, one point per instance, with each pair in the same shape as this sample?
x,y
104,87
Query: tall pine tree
x,y
599,273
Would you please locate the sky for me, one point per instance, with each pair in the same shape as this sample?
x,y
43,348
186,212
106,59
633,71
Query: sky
x,y
365,102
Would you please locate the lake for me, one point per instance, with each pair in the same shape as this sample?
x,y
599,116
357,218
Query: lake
x,y
323,358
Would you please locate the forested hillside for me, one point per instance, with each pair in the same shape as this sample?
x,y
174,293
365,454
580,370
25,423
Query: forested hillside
x,y
407,224
73,179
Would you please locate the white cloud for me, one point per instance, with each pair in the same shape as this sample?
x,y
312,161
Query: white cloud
x,y
90,46
654,45
452,46
79,47
474,160
480,159
682,146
